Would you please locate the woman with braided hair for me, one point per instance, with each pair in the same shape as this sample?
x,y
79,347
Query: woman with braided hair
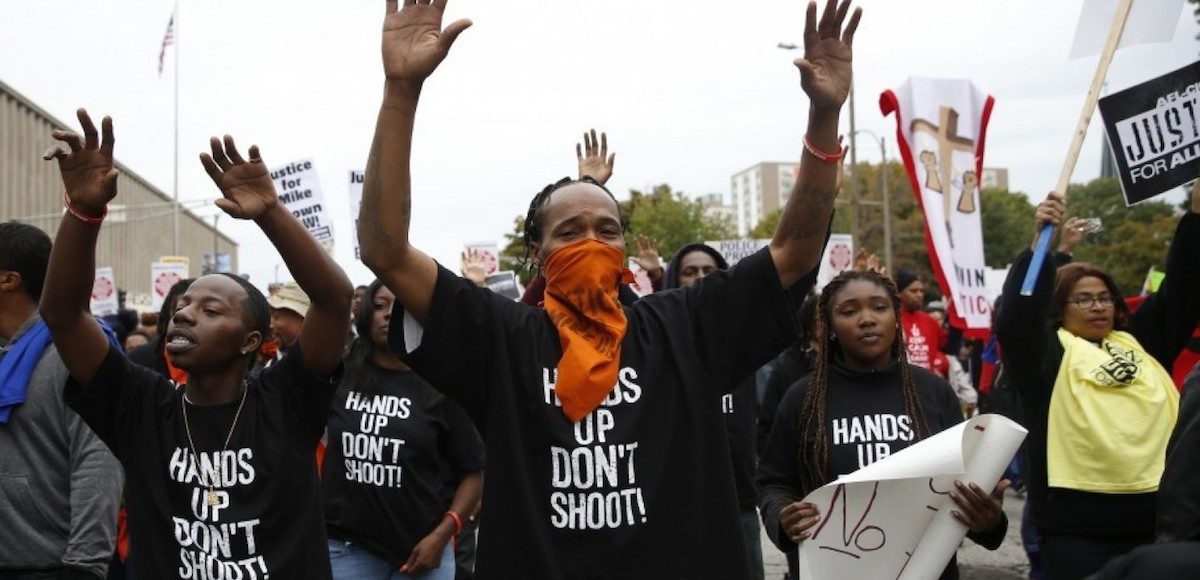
x,y
862,402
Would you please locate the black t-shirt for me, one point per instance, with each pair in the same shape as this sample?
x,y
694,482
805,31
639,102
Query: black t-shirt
x,y
867,422
396,453
267,521
740,408
641,487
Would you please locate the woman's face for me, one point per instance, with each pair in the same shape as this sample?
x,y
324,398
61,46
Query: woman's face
x,y
381,316
864,324
1089,312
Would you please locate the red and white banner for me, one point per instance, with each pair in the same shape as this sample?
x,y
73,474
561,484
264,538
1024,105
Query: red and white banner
x,y
941,125
104,293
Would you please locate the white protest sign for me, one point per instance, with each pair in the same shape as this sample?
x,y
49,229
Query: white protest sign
x,y
838,258
300,192
356,187
489,251
734,250
104,293
163,275
1149,21
641,285
892,519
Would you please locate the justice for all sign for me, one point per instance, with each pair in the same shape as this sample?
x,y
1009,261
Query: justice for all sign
x,y
1154,133
300,192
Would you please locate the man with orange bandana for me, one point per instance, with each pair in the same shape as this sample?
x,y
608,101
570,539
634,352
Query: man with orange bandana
x,y
607,453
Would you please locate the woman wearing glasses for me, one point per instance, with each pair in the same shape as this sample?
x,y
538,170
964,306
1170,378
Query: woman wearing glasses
x,y
1098,401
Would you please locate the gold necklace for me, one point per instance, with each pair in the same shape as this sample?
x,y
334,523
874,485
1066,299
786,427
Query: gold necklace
x,y
210,494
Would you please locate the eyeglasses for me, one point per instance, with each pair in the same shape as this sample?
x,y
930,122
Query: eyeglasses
x,y
1087,301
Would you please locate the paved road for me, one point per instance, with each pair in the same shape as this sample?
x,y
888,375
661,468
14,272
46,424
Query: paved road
x,y
1007,562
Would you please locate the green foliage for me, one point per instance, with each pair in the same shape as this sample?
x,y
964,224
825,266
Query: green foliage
x,y
1006,218
512,255
1134,238
670,220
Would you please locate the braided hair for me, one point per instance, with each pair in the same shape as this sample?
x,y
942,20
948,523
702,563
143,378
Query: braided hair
x,y
533,224
812,421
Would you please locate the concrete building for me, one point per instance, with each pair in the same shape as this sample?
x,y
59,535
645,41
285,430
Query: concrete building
x,y
715,207
760,190
139,228
995,177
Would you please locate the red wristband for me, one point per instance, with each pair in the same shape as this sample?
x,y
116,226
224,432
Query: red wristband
x,y
823,157
457,522
87,219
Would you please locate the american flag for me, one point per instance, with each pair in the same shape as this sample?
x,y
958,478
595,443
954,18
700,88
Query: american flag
x,y
168,39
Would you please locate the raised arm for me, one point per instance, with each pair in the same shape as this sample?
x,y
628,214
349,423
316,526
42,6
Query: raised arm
x,y
249,194
90,182
825,73
413,46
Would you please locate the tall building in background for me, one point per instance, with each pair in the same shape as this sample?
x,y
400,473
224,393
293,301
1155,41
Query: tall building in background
x,y
995,177
138,229
760,190
715,207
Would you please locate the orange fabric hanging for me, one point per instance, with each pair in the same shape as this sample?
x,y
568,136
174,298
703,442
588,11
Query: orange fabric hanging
x,y
178,375
581,299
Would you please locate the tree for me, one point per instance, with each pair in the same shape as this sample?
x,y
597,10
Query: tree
x,y
512,255
671,220
1007,223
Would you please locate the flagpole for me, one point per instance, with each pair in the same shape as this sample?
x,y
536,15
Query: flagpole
x,y
1042,246
175,205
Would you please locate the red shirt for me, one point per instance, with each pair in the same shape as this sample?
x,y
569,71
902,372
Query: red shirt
x,y
924,338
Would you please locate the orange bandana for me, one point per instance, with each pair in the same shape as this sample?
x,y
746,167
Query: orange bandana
x,y
178,375
581,299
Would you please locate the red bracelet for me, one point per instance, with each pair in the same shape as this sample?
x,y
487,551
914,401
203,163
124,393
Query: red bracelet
x,y
87,219
457,522
823,157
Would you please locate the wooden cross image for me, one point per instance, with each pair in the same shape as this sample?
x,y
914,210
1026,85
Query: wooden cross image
x,y
939,164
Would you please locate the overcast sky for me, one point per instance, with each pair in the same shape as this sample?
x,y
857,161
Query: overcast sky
x,y
690,92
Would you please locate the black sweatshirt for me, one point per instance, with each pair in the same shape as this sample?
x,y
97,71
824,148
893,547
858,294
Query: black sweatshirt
x,y
1032,355
854,399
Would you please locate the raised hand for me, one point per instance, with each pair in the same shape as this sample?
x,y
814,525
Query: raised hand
x,y
246,185
413,40
647,258
87,165
825,69
594,160
474,267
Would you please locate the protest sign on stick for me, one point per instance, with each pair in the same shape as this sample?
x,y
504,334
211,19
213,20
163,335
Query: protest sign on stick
x,y
892,519
1115,31
104,293
1153,132
838,258
489,252
300,192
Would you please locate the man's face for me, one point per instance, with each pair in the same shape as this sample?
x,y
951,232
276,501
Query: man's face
x,y
285,326
912,297
694,266
577,212
210,327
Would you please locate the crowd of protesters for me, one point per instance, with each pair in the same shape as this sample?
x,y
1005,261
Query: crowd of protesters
x,y
421,426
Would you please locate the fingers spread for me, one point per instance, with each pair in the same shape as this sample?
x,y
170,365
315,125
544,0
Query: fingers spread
x,y
611,160
90,139
210,166
810,24
106,141
71,139
826,26
840,18
231,150
603,144
218,154
848,34
450,34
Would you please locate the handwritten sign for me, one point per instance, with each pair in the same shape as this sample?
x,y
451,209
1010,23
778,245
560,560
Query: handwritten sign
x,y
489,251
300,192
642,285
891,519
356,186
